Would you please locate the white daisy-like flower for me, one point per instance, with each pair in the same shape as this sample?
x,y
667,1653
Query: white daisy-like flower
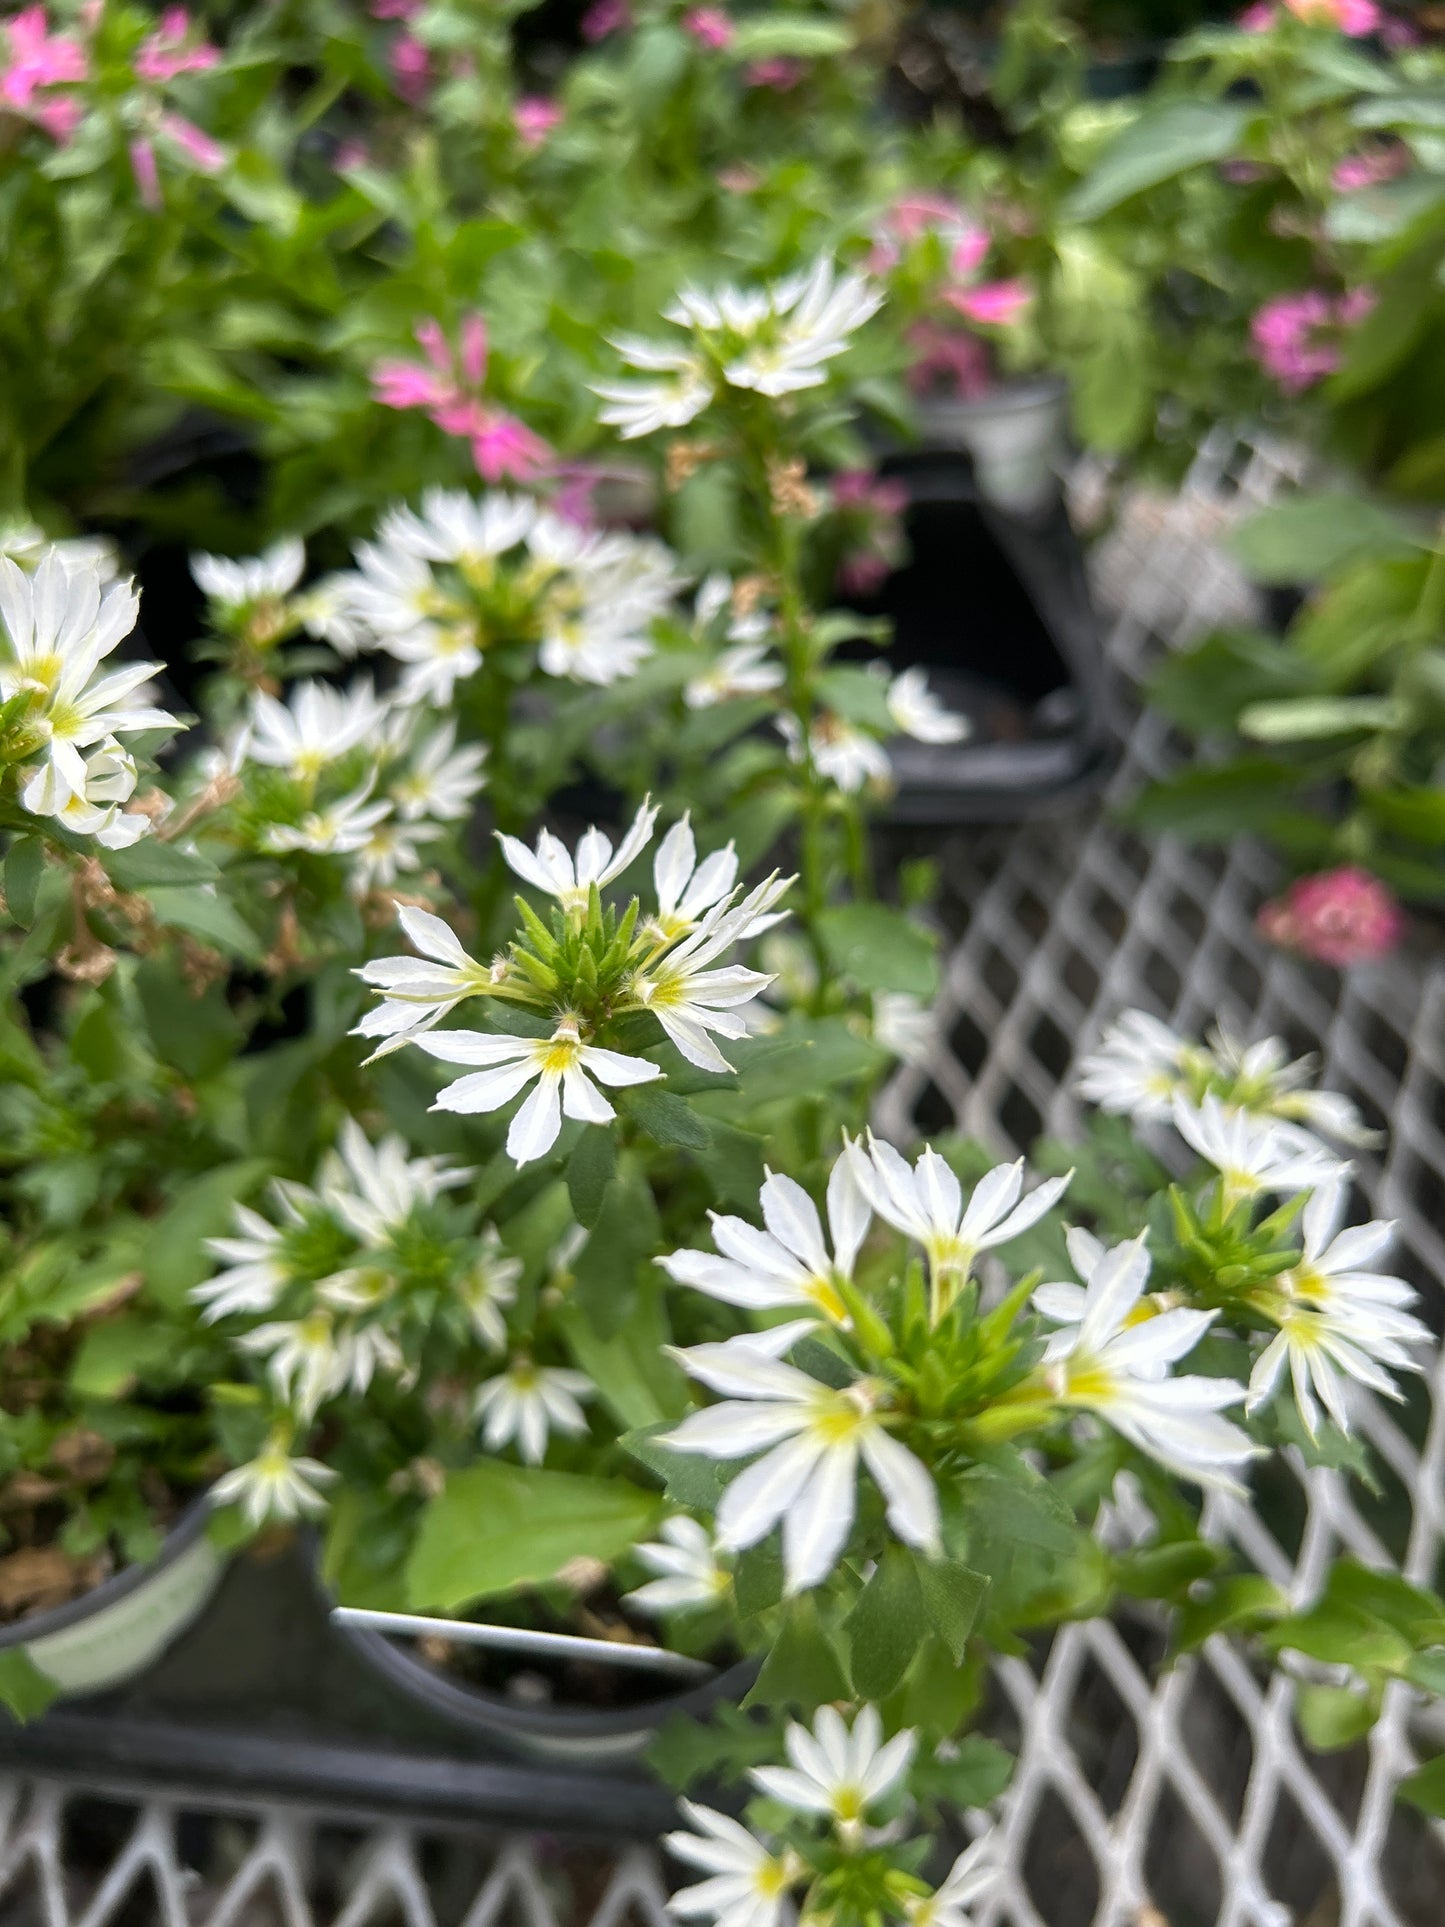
x,y
807,320
685,1561
918,713
306,1359
274,1487
967,1880
373,1189
552,869
418,992
316,727
680,388
239,584
440,781
60,623
392,850
686,888
838,1773
558,1064
340,829
406,612
746,1886
256,1271
716,596
1116,1365
327,611
812,1438
527,1403
488,1289
27,543
467,531
689,997
1253,1154
848,756
743,671
926,1203
1336,1319
786,1266
1263,1077
1137,1067
594,644
904,1026
110,779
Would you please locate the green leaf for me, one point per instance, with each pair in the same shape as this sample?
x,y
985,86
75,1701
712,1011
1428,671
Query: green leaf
x,y
666,1119
952,1596
1330,1717
1427,1671
201,913
886,1626
972,1772
1305,719
803,1670
792,36
1165,1572
174,1255
149,864
1311,536
24,862
617,1255
880,949
758,1577
195,1035
688,1478
590,1170
497,1527
1378,213
1341,1635
634,1377
1163,141
115,1353
24,1688
1425,1788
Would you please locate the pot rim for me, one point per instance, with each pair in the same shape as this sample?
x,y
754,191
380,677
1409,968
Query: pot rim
x,y
188,1528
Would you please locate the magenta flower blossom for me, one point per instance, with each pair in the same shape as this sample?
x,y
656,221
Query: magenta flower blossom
x,y
992,304
147,174
410,68
1381,164
1353,17
396,9
349,154
198,147
448,385
59,116
780,74
1297,338
913,216
710,27
605,17
946,361
37,58
534,117
1339,917
165,53
872,507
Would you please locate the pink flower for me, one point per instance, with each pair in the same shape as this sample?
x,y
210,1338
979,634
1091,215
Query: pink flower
x,y
710,27
605,17
1258,18
860,488
351,154
473,356
198,147
505,449
147,174
1340,917
164,54
1369,170
914,215
407,384
396,9
1353,17
534,117
739,180
992,304
863,572
779,73
38,58
410,68
1297,337
947,361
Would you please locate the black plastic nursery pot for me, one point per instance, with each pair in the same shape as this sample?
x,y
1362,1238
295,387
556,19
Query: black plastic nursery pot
x,y
121,1627
994,603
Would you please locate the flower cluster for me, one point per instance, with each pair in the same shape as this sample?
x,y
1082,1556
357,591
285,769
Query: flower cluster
x,y
1299,338
449,384
771,341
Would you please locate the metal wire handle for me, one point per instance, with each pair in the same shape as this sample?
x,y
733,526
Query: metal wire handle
x,y
523,1639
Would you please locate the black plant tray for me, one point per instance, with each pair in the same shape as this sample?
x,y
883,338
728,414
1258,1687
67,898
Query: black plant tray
x,y
264,1699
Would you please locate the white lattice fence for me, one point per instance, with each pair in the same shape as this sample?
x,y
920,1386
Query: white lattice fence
x,y
1142,1798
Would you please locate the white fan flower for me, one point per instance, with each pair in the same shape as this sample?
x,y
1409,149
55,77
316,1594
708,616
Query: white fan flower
x,y
315,728
849,757
926,1203
558,1064
1254,1154
527,1403
680,389
967,1880
686,1564
238,584
814,1438
1115,1364
551,869
306,1359
340,829
1137,1068
95,810
392,850
274,1487
838,1773
256,1270
686,889
467,531
746,1884
691,999
807,320
1336,1320
746,670
418,992
60,623
918,712
373,1189
904,1026
786,1266
1262,1077
440,781
488,1290
593,644
407,613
